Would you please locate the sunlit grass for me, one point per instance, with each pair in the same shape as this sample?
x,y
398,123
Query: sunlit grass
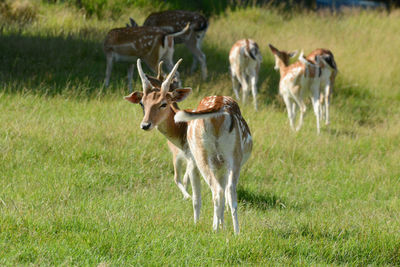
x,y
81,184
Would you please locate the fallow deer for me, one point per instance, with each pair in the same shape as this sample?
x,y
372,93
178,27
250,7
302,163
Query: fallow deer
x,y
297,81
214,139
175,20
328,76
151,44
245,59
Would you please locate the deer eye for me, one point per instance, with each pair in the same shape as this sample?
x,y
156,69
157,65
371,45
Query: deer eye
x,y
163,105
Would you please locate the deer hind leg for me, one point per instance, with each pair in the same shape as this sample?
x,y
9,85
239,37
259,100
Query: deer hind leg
x,y
302,108
218,193
294,110
178,166
328,92
253,82
316,106
168,59
245,87
298,99
235,85
231,195
291,115
194,45
109,59
186,179
211,167
321,101
194,64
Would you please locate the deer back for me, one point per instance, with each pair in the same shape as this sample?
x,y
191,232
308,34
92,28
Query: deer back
x,y
132,41
175,20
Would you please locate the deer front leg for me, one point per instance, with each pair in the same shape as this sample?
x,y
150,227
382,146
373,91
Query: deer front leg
x,y
194,45
235,85
178,166
109,59
253,82
130,76
196,188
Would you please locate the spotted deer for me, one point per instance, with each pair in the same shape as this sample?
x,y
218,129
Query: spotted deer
x,y
151,44
297,81
175,20
245,59
214,139
328,77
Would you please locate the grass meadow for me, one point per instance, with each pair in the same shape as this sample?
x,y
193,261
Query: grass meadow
x,y
82,184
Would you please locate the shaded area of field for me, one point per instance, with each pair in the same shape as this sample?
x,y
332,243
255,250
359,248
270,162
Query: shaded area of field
x,y
75,65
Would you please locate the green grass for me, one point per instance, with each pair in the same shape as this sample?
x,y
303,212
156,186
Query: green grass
x,y
81,184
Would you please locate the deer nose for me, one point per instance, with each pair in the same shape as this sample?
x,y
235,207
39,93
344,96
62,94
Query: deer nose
x,y
145,125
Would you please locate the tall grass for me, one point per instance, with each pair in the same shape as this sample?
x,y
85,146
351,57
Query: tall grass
x,y
81,184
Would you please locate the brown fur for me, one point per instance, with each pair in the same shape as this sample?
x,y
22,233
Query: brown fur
x,y
121,36
323,52
177,20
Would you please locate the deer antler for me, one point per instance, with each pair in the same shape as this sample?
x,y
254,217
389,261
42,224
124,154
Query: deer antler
x,y
145,82
159,74
167,82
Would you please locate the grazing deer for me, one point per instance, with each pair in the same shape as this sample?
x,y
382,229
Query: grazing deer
x,y
329,73
245,59
151,44
214,139
175,20
298,80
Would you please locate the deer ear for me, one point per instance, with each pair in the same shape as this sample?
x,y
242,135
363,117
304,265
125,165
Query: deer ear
x,y
134,97
179,95
133,23
293,54
273,49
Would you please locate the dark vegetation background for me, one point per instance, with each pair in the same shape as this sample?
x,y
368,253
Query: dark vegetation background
x,y
207,7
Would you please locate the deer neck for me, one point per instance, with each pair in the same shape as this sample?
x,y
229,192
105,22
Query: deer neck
x,y
174,131
282,68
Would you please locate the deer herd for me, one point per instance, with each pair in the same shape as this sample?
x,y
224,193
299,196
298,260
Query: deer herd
x,y
212,140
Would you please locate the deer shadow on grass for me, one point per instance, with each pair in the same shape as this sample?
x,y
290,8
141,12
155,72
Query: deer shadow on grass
x,y
261,201
55,64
